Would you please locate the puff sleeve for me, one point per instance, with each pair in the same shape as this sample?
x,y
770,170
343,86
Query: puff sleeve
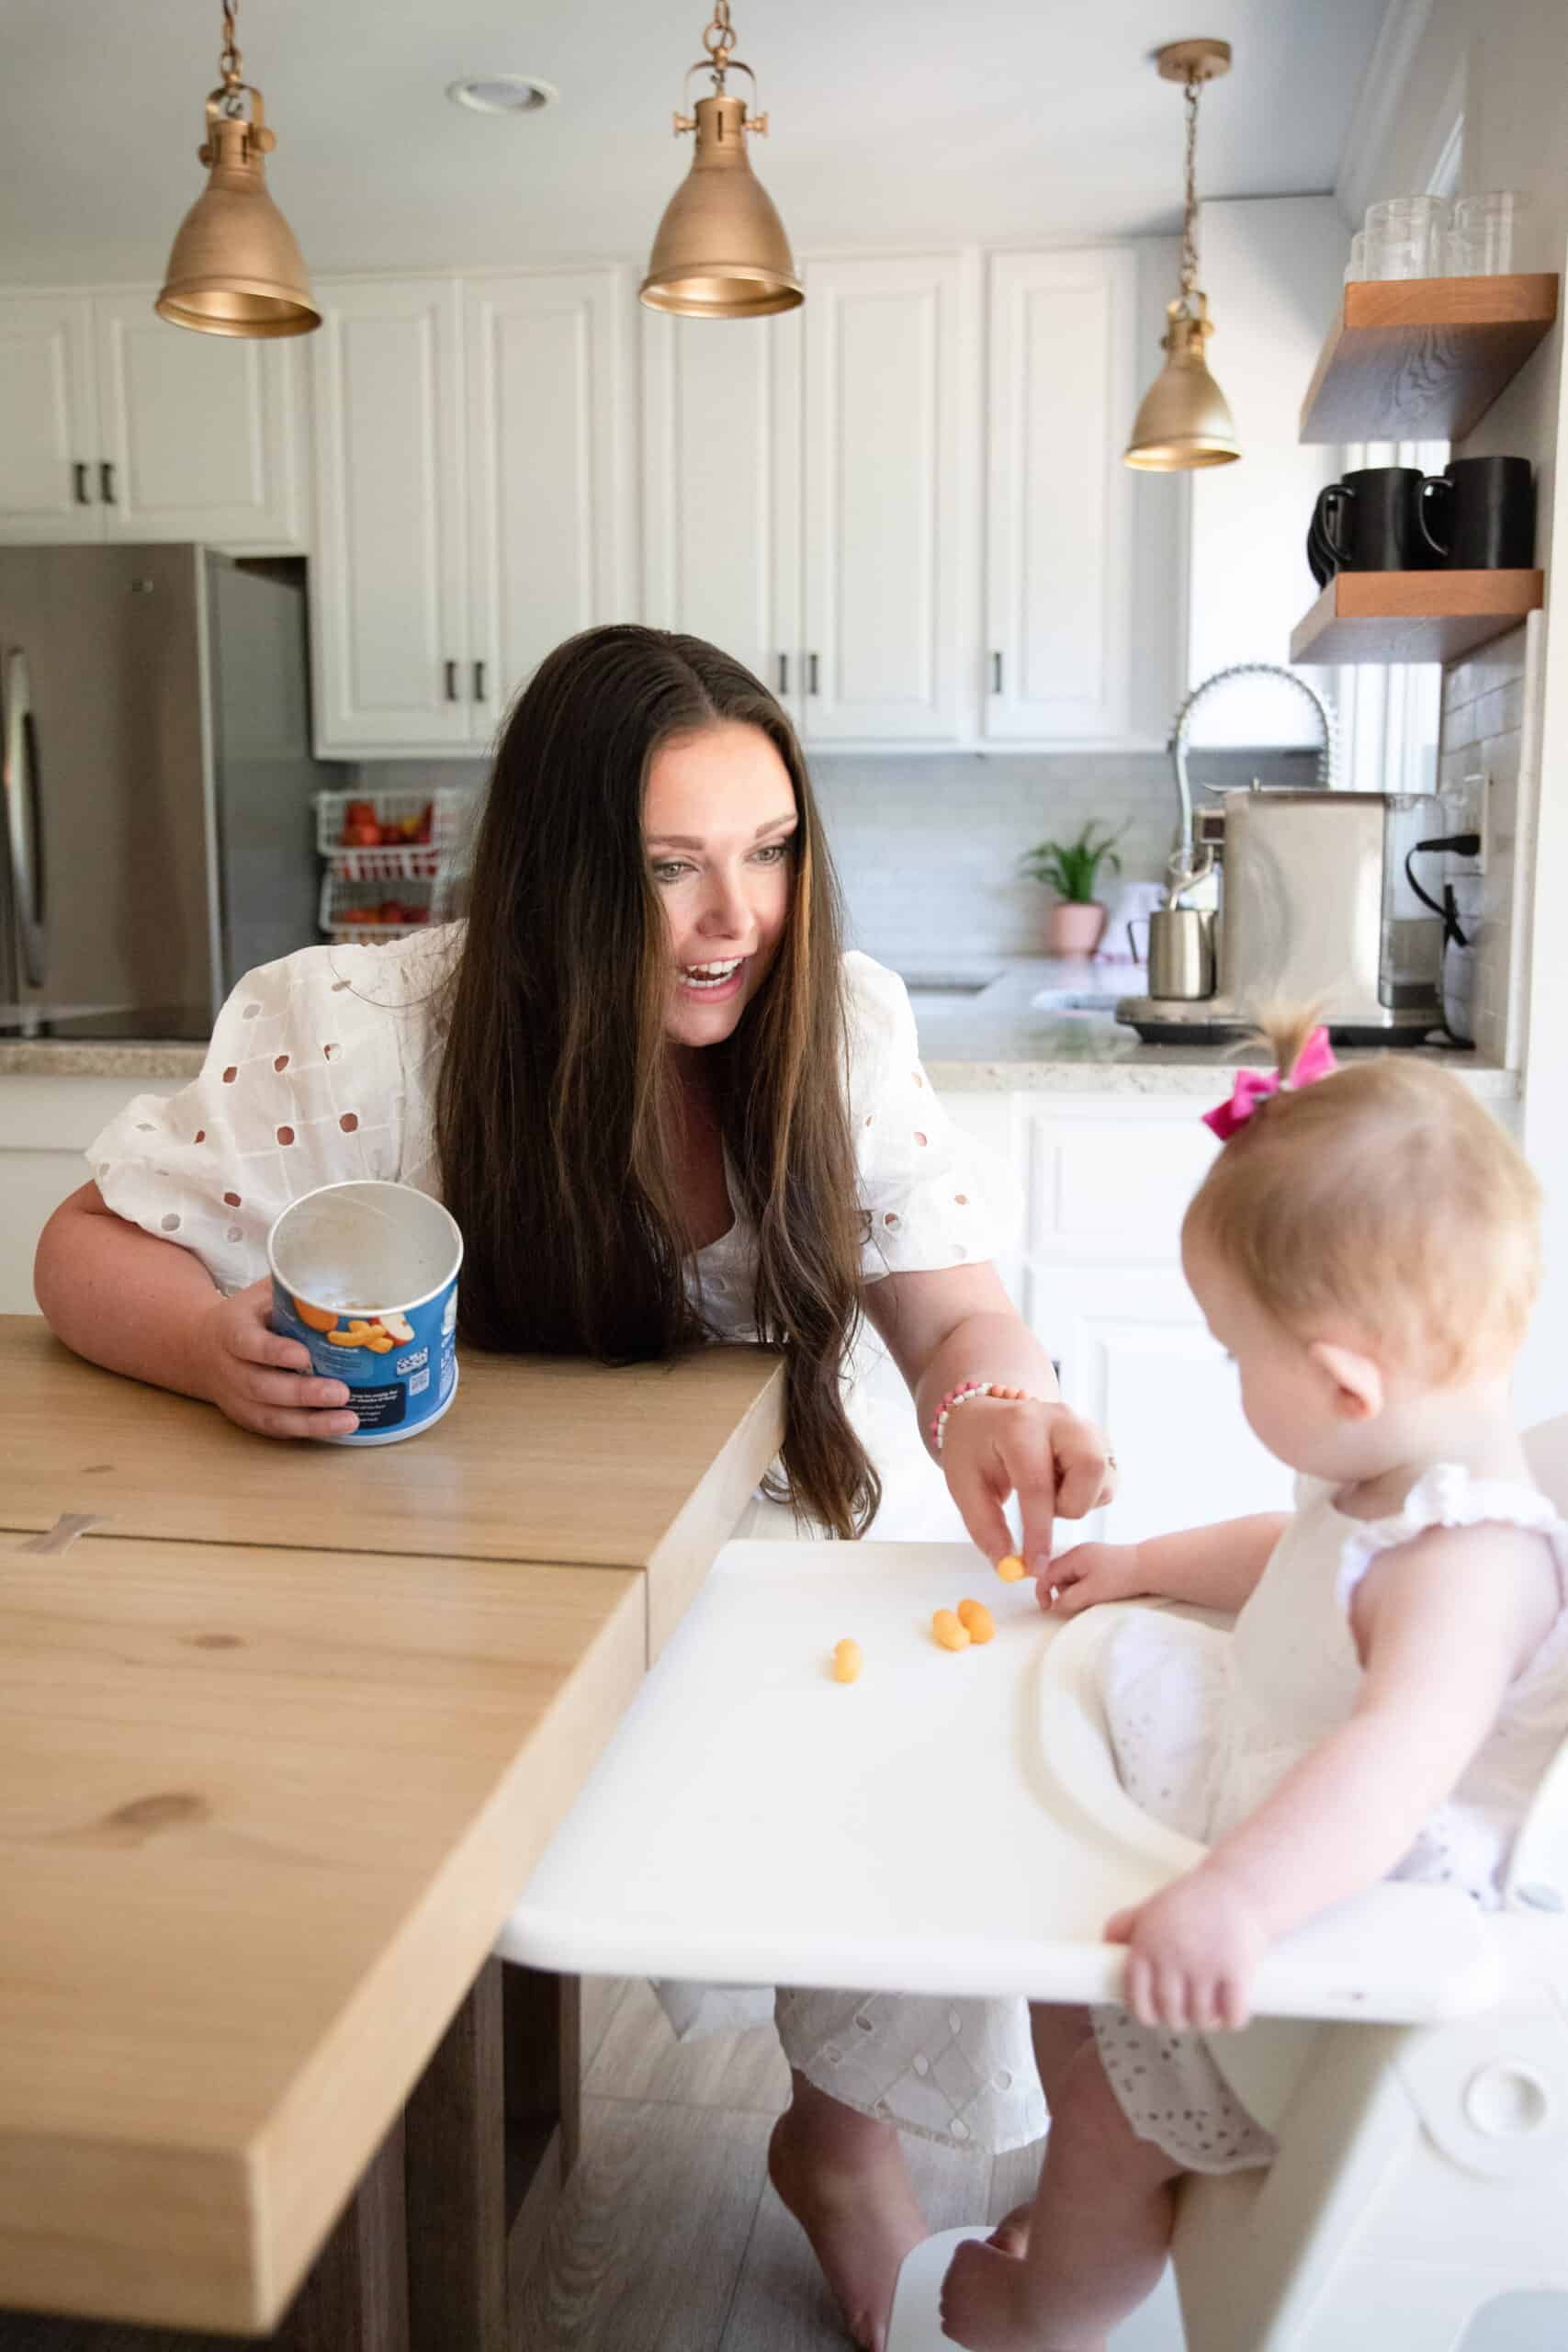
x,y
933,1196
321,1069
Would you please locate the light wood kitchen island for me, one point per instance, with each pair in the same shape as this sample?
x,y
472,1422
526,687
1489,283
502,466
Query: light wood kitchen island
x,y
283,1731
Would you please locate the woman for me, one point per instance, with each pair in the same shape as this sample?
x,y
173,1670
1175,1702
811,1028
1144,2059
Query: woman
x,y
663,1107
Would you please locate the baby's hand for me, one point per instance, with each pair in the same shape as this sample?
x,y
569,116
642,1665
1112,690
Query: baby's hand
x,y
1192,1952
1090,1572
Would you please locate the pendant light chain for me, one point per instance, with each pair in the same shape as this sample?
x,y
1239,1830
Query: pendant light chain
x,y
1190,214
718,39
230,62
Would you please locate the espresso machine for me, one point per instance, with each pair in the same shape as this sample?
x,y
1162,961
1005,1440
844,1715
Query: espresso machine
x,y
1300,896
1303,898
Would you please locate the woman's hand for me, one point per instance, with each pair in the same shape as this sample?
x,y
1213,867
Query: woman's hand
x,y
261,1380
1192,1952
1045,1455
1074,1580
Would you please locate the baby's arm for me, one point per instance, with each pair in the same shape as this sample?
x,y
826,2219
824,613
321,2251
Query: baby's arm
x,y
135,1305
1444,1624
1216,1567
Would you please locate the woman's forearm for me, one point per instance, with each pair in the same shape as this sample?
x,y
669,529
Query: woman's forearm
x,y
122,1298
998,1347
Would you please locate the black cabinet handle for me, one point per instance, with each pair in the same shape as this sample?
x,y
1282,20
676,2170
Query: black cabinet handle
x,y
478,681
996,674
811,673
105,482
451,668
79,476
783,674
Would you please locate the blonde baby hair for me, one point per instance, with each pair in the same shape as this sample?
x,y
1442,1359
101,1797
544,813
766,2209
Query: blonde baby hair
x,y
1383,1194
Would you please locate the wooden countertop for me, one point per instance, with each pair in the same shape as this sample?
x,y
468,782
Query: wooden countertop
x,y
281,1735
261,1816
648,1468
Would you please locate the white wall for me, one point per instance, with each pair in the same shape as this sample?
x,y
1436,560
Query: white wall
x,y
1504,63
1272,268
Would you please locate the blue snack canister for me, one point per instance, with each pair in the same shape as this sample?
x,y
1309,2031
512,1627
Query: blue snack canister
x,y
365,1275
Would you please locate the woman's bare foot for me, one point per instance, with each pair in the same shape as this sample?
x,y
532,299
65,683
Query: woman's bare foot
x,y
842,2175
986,2304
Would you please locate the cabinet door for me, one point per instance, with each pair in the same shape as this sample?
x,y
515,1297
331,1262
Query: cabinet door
x,y
200,431
388,601
549,476
721,487
1059,502
890,437
49,420
1136,1357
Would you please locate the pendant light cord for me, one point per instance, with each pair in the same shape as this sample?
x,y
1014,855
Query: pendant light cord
x,y
1190,214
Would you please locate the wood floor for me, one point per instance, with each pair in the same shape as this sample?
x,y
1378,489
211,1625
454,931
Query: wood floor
x,y
669,2238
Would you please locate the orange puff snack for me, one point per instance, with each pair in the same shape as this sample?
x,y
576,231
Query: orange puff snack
x,y
976,1620
949,1632
846,1660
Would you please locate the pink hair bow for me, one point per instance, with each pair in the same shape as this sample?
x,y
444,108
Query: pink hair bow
x,y
1314,1061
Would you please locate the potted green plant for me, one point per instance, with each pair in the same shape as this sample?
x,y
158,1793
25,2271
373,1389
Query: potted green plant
x,y
1072,868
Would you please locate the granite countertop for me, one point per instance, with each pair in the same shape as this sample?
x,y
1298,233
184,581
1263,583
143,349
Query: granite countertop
x,y
991,1038
997,1040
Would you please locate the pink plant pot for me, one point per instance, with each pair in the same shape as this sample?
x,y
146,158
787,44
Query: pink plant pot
x,y
1073,927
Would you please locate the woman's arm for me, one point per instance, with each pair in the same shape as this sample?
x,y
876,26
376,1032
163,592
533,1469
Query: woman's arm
x,y
957,1323
149,1309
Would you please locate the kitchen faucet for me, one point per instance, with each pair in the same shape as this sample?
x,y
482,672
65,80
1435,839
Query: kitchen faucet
x,y
1185,865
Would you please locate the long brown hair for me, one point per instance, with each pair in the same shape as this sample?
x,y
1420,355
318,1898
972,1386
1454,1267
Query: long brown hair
x,y
554,1110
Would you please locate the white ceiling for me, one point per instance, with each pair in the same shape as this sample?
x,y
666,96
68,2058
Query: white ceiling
x,y
896,123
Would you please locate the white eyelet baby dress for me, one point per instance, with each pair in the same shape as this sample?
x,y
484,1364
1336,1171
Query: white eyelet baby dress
x,y
323,1066
1205,1725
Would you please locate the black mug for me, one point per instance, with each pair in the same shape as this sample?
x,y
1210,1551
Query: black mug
x,y
1371,521
1478,514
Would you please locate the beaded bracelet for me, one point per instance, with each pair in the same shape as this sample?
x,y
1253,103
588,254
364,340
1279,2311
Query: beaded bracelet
x,y
965,1392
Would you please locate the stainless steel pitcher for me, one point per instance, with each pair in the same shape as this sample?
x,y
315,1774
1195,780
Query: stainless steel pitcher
x,y
1182,951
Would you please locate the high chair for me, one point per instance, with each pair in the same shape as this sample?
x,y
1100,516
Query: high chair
x,y
953,1824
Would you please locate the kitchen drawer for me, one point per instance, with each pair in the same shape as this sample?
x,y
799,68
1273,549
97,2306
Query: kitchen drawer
x,y
1114,1187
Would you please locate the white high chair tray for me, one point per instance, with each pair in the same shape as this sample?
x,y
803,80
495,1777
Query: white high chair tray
x,y
949,1824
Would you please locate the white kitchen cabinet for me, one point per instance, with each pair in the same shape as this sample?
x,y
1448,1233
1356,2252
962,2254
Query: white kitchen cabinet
x,y
1059,504
115,425
201,434
46,1125
890,491
721,487
550,469
389,593
49,420
474,502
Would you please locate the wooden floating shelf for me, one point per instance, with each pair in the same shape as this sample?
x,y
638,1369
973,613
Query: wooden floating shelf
x,y
1422,358
1413,616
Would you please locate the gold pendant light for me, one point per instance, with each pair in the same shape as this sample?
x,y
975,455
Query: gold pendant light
x,y
1184,421
721,251
235,268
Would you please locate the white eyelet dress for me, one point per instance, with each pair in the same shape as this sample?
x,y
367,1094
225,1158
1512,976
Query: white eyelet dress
x,y
322,1067
1205,1726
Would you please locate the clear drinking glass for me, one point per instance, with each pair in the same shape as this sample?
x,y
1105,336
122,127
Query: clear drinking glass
x,y
1356,267
1404,236
1463,254
1489,224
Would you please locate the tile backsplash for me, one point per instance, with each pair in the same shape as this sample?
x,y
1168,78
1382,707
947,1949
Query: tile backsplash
x,y
926,846
1490,727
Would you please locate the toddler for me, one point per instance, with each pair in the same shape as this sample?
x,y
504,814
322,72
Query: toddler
x,y
1365,1248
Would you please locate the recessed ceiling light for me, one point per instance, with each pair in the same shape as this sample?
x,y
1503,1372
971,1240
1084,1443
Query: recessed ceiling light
x,y
503,93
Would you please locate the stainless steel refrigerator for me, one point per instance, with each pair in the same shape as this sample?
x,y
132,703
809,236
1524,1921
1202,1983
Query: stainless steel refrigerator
x,y
158,836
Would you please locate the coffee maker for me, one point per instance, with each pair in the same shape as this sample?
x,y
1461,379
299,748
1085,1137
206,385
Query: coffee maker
x,y
1304,897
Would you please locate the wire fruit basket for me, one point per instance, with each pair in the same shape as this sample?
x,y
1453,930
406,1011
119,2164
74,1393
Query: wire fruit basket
x,y
391,859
